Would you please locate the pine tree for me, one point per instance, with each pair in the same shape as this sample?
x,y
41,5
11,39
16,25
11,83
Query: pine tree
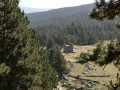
x,y
50,77
106,9
57,60
21,62
50,43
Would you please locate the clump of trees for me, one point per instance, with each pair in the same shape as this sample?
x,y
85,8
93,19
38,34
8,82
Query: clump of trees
x,y
56,59
103,55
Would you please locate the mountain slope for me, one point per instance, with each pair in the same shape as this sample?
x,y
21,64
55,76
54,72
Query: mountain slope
x,y
56,14
72,25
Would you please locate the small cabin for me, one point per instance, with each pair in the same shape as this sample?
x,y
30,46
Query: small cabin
x,y
68,48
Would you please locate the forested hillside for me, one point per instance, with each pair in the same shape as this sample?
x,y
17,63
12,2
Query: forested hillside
x,y
72,25
74,34
59,16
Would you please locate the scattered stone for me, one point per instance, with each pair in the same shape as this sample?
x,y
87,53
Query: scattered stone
x,y
93,83
85,73
77,77
88,66
72,89
94,74
69,84
76,58
69,75
97,82
82,82
107,75
63,78
80,88
104,84
89,85
64,84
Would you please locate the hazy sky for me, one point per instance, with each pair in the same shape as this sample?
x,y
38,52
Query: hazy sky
x,y
53,3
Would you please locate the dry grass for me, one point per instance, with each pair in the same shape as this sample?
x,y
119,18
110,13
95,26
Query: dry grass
x,y
80,68
77,50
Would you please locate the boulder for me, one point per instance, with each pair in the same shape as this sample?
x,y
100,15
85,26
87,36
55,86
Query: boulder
x,y
77,77
107,75
94,74
89,85
80,88
64,84
97,82
85,73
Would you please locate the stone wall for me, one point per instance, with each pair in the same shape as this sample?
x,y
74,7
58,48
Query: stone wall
x,y
68,48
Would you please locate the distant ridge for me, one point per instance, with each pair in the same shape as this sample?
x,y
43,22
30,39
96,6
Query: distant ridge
x,y
67,11
33,10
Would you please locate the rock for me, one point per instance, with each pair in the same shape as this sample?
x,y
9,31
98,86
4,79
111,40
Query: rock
x,y
82,82
104,84
69,75
63,78
64,84
93,83
77,77
89,85
69,84
88,66
80,88
107,75
72,89
85,73
67,81
97,82
94,74
76,58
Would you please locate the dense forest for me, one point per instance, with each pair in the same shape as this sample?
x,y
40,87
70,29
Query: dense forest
x,y
72,25
76,34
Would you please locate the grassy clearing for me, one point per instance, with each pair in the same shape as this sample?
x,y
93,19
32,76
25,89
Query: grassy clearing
x,y
78,69
77,50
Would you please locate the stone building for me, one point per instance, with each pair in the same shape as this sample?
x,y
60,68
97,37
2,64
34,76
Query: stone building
x,y
68,48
